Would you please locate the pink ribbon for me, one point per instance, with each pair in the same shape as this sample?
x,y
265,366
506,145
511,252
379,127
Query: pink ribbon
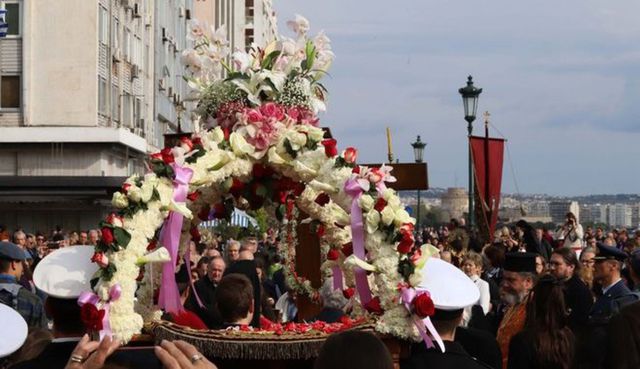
x,y
353,189
407,295
91,298
187,260
169,297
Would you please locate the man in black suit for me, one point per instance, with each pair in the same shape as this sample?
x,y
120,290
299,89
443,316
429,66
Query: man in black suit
x,y
206,288
246,265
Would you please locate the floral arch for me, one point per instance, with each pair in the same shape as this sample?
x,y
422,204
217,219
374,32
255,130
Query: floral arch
x,y
262,147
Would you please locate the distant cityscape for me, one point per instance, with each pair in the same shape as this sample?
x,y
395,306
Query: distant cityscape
x,y
619,210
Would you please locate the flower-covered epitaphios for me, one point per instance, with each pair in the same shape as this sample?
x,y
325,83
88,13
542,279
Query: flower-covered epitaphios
x,y
262,148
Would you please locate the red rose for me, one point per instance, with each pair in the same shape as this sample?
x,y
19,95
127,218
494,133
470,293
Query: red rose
x,y
115,220
380,204
193,196
298,188
204,213
125,188
226,132
330,148
323,199
356,170
92,317
261,171
101,259
167,155
405,246
219,211
348,293
107,236
333,254
186,144
320,231
350,155
156,156
374,307
347,249
197,141
237,187
423,306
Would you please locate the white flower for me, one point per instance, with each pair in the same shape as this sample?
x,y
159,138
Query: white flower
x,y
354,261
365,202
239,145
216,135
192,60
160,255
241,61
146,191
196,29
388,193
296,140
415,279
119,200
387,215
219,36
274,157
181,207
402,217
135,193
299,25
372,221
340,216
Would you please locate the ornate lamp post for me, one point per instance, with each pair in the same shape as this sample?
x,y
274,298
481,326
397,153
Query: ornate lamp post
x,y
470,96
418,152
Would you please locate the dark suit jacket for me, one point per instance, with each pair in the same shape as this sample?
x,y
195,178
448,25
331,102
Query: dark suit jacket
x,y
480,344
578,299
54,356
206,291
601,310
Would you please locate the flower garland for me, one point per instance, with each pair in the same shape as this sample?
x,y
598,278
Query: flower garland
x,y
264,148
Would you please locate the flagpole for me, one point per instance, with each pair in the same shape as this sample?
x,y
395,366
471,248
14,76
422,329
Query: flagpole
x,y
487,201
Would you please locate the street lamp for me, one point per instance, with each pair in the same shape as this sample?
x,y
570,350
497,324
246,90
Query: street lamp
x,y
470,96
418,152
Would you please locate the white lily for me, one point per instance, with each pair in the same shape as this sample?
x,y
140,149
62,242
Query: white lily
x,y
354,261
181,207
160,255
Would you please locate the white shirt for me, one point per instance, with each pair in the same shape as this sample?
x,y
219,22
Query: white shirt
x,y
484,301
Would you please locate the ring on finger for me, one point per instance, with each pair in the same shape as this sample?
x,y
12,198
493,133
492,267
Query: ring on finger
x,y
195,358
77,358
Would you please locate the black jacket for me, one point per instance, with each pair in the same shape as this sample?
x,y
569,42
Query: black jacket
x,y
578,300
454,357
55,356
206,291
481,345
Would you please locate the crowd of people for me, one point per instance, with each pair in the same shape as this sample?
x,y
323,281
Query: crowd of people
x,y
566,298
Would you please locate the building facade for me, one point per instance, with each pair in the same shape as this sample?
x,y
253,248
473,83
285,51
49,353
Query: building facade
x,y
82,103
620,215
559,209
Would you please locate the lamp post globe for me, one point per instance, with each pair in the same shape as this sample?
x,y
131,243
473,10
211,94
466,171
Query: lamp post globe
x,y
470,94
418,149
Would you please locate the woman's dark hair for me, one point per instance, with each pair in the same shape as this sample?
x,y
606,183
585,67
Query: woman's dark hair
x,y
547,323
365,351
496,255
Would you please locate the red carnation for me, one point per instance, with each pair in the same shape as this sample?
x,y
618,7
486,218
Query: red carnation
x,y
107,236
356,169
92,317
347,249
330,148
197,141
261,171
193,196
186,143
405,246
380,204
374,307
323,199
350,155
320,231
348,293
423,306
237,187
156,156
101,259
125,188
333,254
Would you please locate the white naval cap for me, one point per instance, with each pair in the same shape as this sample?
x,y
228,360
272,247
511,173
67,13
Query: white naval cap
x,y
449,287
66,272
16,331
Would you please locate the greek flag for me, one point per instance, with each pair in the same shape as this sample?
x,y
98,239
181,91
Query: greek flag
x,y
238,218
3,20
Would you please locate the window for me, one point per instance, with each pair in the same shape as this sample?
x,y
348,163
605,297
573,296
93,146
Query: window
x,y
127,45
126,110
115,103
102,96
115,36
13,19
137,113
103,25
10,92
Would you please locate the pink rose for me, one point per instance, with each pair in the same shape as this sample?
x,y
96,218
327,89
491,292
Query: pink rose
x,y
253,116
350,155
375,175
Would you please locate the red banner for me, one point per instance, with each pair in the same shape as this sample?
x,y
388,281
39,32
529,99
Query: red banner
x,y
488,154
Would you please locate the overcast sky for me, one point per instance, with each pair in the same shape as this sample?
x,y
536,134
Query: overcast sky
x,y
561,80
